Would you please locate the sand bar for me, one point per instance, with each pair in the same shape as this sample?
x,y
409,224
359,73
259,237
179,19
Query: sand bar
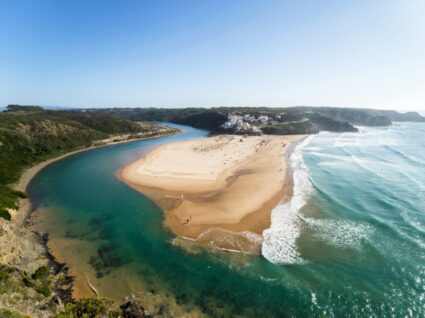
x,y
225,182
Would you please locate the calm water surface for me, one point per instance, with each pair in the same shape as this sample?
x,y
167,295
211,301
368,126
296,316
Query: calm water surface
x,y
351,243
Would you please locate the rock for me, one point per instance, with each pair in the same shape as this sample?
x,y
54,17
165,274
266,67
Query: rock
x,y
133,309
20,247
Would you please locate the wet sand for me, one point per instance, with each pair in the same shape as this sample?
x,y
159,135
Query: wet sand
x,y
216,184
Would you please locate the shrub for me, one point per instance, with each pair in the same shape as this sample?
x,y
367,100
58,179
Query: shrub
x,y
5,272
4,313
44,289
5,214
40,279
42,272
90,308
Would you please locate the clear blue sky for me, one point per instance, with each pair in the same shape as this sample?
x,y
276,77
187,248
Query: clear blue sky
x,y
213,52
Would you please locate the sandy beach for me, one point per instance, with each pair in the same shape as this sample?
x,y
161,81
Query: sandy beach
x,y
210,186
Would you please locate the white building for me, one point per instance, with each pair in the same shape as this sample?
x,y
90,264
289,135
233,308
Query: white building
x,y
240,124
263,119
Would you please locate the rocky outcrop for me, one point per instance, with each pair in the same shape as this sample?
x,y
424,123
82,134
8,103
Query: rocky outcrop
x,y
20,248
134,309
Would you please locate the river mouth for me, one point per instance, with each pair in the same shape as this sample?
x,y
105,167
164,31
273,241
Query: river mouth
x,y
114,239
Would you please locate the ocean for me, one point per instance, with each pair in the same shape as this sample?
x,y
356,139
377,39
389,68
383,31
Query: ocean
x,y
350,242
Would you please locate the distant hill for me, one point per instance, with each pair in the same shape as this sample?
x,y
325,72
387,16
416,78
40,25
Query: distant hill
x,y
402,117
30,134
363,116
352,115
289,120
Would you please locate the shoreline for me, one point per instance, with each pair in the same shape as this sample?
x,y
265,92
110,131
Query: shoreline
x,y
287,192
253,183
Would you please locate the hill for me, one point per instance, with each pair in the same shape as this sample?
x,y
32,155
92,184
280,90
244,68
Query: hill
x,y
30,134
362,116
290,120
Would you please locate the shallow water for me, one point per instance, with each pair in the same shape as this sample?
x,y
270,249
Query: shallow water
x,y
351,242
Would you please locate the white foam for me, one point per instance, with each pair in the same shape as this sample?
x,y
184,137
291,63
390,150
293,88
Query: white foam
x,y
245,242
279,245
227,236
341,234
411,219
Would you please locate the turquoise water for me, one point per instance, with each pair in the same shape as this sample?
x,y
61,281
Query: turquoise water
x,y
351,243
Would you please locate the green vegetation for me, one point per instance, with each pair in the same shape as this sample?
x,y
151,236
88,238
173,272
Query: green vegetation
x,y
4,313
361,116
289,119
20,108
197,117
290,128
101,307
38,294
41,273
17,286
41,281
5,215
29,134
90,308
5,272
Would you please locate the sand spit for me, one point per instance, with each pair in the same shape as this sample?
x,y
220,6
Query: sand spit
x,y
223,182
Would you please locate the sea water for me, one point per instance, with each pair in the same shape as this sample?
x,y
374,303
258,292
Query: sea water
x,y
350,242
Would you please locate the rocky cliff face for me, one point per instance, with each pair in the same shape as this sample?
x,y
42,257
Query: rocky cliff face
x,y
23,292
20,247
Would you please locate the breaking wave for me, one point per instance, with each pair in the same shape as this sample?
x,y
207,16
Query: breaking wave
x,y
279,245
279,241
340,234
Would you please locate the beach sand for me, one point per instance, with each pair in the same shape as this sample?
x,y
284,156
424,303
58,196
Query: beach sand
x,y
219,190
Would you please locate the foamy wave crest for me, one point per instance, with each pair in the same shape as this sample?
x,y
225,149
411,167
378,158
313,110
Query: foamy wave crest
x,y
340,234
279,245
220,239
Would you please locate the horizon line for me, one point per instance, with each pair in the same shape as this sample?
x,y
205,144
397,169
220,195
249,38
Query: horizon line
x,y
211,107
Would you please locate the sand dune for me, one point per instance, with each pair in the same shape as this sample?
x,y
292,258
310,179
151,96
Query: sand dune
x,y
229,182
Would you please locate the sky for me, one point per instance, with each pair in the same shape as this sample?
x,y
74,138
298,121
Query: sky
x,y
205,53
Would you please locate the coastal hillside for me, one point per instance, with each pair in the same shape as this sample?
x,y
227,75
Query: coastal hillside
x,y
30,134
278,121
362,116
